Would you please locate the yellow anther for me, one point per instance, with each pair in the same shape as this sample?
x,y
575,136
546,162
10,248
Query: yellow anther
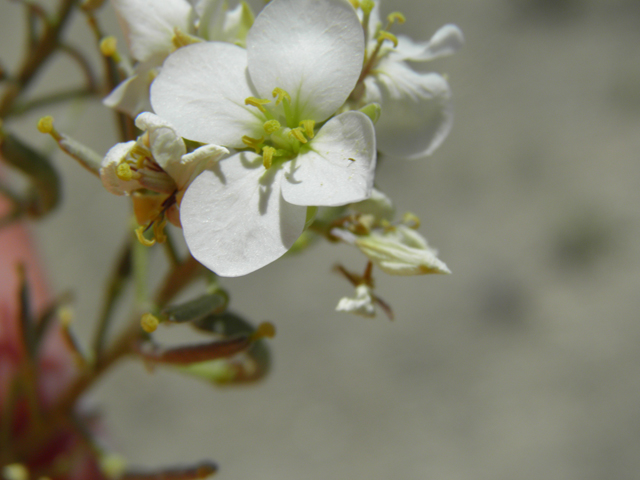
x,y
411,220
267,156
257,102
45,124
264,330
367,6
308,126
396,17
108,46
279,94
255,143
149,323
15,471
124,172
141,238
181,39
297,134
354,3
384,35
271,126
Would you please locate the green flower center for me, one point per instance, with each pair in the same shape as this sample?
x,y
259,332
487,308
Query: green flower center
x,y
284,135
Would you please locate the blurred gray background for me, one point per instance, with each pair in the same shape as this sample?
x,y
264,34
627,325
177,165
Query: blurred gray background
x,y
523,364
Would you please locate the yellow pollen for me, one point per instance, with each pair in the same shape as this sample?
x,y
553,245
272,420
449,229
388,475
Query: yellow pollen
x,y
267,156
297,134
124,172
308,125
254,143
264,330
149,323
279,94
257,102
108,46
271,126
396,17
45,124
367,6
181,39
384,35
141,238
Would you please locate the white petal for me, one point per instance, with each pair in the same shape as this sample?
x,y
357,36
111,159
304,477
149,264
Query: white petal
x,y
313,49
417,114
130,96
108,171
340,166
446,41
234,218
201,90
192,164
148,25
167,147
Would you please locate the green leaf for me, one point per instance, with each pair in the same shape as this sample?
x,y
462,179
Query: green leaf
x,y
197,308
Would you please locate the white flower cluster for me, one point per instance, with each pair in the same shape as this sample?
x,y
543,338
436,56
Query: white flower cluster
x,y
258,121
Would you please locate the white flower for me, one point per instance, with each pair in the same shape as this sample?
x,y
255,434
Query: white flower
x,y
154,29
362,304
149,28
416,112
248,211
156,161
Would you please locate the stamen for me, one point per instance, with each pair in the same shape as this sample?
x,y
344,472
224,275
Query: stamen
x,y
396,17
384,35
271,126
308,126
124,172
149,323
297,134
279,94
255,143
267,156
257,102
354,3
141,238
